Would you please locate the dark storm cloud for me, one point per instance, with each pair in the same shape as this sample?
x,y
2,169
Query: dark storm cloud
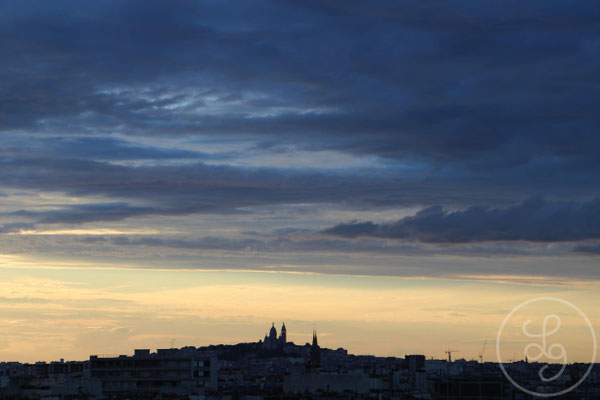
x,y
94,148
103,212
589,249
533,220
81,213
106,148
198,187
268,244
459,103
15,227
499,90
313,244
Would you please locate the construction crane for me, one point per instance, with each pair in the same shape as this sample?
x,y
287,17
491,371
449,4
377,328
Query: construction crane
x,y
449,352
482,351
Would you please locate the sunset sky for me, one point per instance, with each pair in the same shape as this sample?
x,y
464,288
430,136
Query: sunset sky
x,y
396,175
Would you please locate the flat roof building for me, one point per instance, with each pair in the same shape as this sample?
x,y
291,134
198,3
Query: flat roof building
x,y
168,371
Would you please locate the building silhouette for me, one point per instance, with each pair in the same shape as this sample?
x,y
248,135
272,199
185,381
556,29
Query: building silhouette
x,y
315,352
272,342
168,371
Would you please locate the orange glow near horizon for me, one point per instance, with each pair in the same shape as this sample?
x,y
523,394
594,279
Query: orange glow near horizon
x,y
50,313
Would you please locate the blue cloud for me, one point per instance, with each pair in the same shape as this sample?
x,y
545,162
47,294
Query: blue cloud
x,y
533,220
460,104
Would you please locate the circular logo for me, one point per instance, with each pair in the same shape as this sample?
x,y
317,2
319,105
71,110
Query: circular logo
x,y
536,334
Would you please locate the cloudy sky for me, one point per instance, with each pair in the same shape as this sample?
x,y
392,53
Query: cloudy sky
x,y
197,169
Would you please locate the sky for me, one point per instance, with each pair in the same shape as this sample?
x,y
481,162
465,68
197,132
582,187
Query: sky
x,y
396,175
